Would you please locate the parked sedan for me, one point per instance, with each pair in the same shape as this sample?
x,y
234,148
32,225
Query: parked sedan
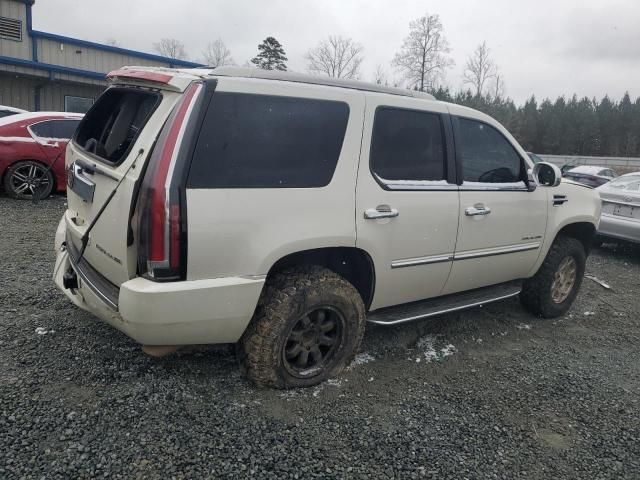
x,y
620,218
590,175
32,147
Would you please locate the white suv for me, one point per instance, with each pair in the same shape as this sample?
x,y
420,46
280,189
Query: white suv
x,y
282,212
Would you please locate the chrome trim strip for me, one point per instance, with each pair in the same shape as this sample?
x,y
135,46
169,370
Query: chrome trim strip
x,y
447,310
412,262
492,187
421,187
490,252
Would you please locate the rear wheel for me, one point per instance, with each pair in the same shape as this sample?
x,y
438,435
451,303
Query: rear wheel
x,y
307,328
552,290
27,180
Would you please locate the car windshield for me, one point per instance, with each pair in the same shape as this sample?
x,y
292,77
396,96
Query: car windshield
x,y
628,182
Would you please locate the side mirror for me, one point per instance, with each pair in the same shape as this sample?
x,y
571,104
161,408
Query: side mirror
x,y
546,174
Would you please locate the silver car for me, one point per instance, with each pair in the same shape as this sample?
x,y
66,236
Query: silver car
x,y
620,218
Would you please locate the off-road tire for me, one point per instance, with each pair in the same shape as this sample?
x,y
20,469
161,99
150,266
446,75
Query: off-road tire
x,y
41,190
286,298
536,294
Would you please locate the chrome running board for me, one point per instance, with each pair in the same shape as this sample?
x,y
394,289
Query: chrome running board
x,y
449,303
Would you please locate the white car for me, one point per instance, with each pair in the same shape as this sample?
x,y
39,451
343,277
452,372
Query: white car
x,y
590,175
6,111
283,211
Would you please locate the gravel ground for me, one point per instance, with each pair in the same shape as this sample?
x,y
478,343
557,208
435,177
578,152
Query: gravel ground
x,y
487,393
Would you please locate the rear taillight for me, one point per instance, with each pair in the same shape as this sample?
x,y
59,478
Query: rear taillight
x,y
160,211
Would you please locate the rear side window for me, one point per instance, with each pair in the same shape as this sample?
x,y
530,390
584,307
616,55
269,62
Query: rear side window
x,y
42,129
486,155
263,141
63,129
407,145
111,126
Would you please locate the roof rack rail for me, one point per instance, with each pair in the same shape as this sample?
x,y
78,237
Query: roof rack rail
x,y
315,80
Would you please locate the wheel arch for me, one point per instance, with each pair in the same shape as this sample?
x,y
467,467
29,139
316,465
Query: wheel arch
x,y
584,232
353,264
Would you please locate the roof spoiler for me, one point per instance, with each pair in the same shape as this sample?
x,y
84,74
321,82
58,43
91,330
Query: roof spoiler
x,y
164,78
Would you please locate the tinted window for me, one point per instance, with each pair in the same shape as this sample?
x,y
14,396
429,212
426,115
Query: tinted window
x,y
407,145
267,141
485,154
43,129
6,113
112,125
64,128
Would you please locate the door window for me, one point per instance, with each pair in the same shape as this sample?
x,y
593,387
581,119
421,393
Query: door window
x,y
486,155
407,145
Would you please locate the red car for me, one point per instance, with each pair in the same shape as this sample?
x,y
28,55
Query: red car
x,y
32,147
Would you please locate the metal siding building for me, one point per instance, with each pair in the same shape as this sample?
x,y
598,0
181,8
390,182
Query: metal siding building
x,y
45,71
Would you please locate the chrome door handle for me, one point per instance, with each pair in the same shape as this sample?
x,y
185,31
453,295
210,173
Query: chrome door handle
x,y
477,210
381,211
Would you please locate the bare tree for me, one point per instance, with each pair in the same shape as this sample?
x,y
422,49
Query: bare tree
x,y
336,57
423,56
216,54
380,75
479,69
498,86
170,47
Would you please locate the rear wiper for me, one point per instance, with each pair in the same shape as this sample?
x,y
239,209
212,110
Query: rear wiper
x,y
85,237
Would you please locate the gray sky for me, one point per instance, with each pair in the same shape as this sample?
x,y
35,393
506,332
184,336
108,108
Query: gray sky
x,y
543,47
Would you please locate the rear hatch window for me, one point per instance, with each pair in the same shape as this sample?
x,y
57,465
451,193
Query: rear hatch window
x,y
111,126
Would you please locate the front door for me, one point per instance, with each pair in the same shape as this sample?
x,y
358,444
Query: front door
x,y
407,201
502,223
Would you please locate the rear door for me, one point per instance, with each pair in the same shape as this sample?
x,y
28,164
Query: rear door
x,y
407,200
116,133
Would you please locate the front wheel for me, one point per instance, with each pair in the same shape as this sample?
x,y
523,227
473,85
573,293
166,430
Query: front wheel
x,y
552,290
27,180
308,326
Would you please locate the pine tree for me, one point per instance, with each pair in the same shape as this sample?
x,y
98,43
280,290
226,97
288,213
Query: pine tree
x,y
528,125
606,113
271,55
628,138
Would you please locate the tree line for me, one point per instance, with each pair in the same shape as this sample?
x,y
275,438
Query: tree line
x,y
566,126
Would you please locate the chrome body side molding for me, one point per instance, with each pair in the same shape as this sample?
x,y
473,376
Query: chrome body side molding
x,y
469,254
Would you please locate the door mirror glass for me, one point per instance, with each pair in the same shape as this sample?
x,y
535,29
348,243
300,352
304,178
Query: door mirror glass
x,y
547,174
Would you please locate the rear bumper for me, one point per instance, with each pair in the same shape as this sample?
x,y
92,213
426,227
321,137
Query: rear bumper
x,y
619,227
173,313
